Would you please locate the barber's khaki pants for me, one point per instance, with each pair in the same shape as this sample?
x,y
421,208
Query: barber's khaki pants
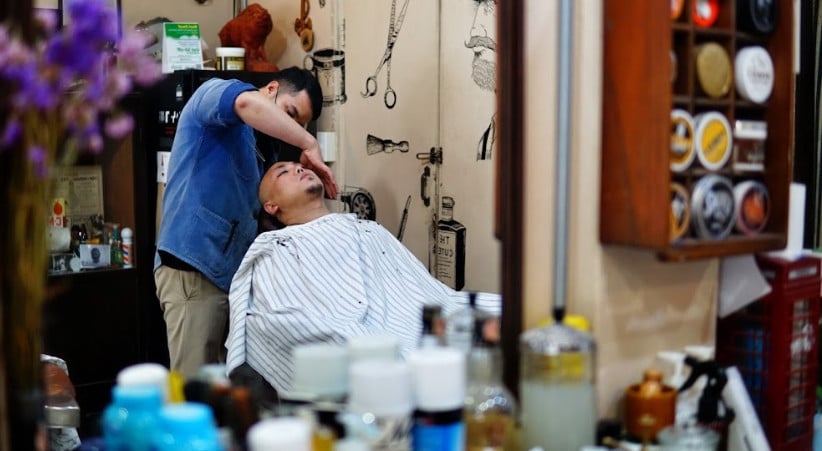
x,y
196,314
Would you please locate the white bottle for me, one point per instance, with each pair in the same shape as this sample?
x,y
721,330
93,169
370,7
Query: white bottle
x,y
280,434
127,236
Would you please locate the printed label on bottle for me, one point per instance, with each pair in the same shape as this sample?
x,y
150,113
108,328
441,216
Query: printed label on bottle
x,y
394,434
449,437
446,257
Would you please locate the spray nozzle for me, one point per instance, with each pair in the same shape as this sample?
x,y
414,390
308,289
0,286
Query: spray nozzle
x,y
711,399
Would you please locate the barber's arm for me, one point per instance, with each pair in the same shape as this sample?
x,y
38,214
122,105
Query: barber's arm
x,y
261,113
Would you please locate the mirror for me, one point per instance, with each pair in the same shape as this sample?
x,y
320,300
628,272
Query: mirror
x,y
438,121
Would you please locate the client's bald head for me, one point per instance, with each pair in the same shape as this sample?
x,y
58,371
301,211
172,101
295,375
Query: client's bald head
x,y
291,193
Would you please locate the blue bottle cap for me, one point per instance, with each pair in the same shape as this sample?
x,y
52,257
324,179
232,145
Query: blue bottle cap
x,y
137,396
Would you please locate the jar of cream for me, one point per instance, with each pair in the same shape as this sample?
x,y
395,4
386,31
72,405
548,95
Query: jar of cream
x,y
230,58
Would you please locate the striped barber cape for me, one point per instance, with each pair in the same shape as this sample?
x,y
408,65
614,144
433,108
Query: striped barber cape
x,y
324,281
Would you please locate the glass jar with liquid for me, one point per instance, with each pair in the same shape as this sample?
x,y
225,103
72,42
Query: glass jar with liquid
x,y
557,393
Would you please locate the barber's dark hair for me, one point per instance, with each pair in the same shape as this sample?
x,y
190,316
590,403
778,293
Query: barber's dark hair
x,y
295,79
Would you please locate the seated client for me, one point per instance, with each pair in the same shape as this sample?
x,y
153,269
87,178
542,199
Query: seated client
x,y
324,277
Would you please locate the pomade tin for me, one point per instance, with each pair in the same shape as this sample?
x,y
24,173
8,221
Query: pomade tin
x,y
705,12
757,16
713,210
754,74
750,138
752,205
713,69
713,139
682,140
680,214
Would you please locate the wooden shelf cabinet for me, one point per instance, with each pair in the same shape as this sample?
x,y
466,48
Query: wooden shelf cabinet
x,y
640,90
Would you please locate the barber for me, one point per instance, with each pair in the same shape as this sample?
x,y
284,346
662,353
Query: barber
x,y
210,201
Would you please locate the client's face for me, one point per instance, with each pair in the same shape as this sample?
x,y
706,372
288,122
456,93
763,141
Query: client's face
x,y
290,182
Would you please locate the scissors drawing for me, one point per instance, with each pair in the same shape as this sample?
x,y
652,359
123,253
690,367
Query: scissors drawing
x,y
394,26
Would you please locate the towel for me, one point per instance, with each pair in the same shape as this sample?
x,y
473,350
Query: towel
x,y
325,281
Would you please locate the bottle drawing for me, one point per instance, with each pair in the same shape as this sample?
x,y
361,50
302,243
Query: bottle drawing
x,y
450,248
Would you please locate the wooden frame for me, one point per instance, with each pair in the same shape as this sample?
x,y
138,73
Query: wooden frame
x,y
637,99
509,185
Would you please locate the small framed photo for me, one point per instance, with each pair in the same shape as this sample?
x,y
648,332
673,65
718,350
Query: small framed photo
x,y
115,4
52,8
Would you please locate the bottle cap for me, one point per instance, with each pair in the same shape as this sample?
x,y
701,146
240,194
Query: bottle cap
x,y
187,419
380,387
438,376
320,370
137,396
141,374
280,434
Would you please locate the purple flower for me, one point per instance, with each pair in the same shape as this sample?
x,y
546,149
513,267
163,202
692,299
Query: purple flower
x,y
13,131
37,156
66,81
119,126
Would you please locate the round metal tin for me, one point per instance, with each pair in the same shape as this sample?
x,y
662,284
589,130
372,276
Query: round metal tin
x,y
752,206
757,16
713,69
713,210
713,139
754,73
682,140
680,214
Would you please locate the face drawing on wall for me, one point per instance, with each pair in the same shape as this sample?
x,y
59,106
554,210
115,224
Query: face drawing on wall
x,y
482,41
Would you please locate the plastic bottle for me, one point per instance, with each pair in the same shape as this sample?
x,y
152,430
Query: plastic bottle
x,y
459,326
557,390
127,252
131,421
438,375
381,389
280,434
490,408
187,426
142,374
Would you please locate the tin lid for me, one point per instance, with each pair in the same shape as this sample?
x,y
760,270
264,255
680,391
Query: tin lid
x,y
682,140
676,8
757,16
680,214
713,69
713,210
705,12
754,74
753,207
713,139
230,51
750,129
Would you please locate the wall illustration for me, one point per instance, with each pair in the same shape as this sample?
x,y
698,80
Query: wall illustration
x,y
482,41
360,202
304,27
374,145
328,66
394,26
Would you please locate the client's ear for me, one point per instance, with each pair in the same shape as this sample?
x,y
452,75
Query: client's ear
x,y
271,208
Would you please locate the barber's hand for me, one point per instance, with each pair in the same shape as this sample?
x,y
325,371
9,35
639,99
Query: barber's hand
x,y
312,159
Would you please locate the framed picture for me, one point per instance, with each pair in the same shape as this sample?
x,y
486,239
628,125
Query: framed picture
x,y
53,7
81,189
115,4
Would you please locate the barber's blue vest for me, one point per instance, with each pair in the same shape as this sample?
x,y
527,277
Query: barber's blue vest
x,y
210,202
